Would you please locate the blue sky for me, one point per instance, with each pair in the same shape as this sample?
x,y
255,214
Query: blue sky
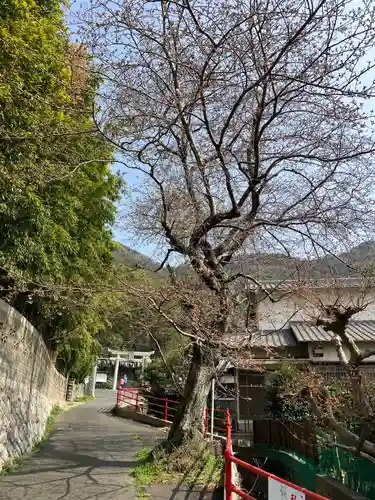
x,y
131,177
132,180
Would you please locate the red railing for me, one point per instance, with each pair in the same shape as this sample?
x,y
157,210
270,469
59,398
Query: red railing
x,y
214,423
127,394
165,409
143,402
287,490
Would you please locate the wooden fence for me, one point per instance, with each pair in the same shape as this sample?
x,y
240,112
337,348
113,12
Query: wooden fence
x,y
298,437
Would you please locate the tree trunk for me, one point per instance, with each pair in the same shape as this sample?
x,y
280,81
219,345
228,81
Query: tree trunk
x,y
190,416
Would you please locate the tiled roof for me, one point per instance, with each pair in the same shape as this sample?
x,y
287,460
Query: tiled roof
x,y
293,285
263,338
360,331
277,338
299,331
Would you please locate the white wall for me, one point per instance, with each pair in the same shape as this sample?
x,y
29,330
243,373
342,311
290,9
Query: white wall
x,y
330,355
226,378
304,306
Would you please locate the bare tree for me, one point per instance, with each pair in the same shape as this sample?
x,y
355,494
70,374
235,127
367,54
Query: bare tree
x,y
248,122
334,317
342,405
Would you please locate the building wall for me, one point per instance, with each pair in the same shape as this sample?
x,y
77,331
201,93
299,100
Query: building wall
x,y
29,384
330,355
299,351
304,306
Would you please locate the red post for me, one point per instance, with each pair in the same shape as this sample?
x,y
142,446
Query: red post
x,y
206,421
166,409
137,401
228,463
229,431
228,476
231,488
118,397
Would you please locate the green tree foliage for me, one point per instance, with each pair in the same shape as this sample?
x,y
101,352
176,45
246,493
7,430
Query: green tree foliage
x,y
170,372
77,345
57,191
286,397
281,401
132,320
115,316
134,324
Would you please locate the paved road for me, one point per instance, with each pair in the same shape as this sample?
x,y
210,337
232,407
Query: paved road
x,y
90,455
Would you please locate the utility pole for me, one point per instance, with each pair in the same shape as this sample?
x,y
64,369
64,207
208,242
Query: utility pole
x,y
212,407
93,379
115,374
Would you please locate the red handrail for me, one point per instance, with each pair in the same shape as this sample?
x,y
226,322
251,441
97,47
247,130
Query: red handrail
x,y
230,458
129,395
216,419
134,398
166,409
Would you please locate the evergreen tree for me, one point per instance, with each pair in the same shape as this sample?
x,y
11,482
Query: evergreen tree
x,y
57,191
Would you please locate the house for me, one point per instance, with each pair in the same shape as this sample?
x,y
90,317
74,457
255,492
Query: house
x,y
278,304
286,329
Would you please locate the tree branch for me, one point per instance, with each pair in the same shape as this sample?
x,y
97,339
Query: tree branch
x,y
165,260
173,323
171,373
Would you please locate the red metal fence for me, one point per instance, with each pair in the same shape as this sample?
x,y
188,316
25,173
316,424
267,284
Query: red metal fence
x,y
288,490
164,408
215,422
128,395
218,421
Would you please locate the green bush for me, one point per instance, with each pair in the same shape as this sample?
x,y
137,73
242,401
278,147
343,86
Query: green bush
x,y
160,377
281,402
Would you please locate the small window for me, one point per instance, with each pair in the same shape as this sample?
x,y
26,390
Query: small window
x,y
318,352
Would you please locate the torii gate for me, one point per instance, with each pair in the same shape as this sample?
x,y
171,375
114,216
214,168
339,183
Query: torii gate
x,y
126,358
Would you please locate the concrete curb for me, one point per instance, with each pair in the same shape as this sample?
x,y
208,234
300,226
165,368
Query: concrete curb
x,y
130,414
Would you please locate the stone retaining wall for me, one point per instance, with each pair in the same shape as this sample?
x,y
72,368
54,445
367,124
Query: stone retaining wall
x,y
78,391
29,384
334,490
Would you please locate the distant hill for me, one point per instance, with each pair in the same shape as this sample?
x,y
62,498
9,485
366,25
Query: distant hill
x,y
281,267
130,257
362,255
275,266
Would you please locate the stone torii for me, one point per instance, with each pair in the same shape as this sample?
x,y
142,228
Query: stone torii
x,y
125,358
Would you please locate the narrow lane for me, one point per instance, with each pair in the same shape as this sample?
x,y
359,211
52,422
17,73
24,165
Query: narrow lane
x,y
89,455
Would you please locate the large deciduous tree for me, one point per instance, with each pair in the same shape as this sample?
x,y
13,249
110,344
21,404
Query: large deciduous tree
x,y
249,122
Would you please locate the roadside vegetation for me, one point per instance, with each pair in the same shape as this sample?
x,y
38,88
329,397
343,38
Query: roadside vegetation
x,y
84,399
185,465
201,112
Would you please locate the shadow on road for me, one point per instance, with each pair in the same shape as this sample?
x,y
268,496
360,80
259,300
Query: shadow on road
x,y
89,456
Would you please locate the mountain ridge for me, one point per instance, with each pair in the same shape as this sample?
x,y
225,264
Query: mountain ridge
x,y
274,266
122,254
